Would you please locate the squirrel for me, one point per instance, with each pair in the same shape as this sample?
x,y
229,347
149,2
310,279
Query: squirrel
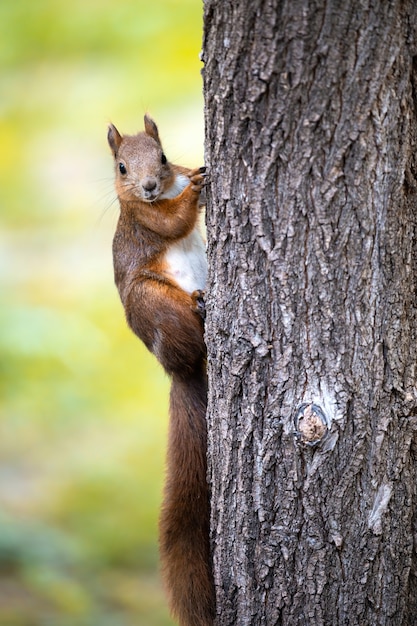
x,y
160,270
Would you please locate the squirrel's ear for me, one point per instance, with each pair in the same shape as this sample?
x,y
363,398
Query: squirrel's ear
x,y
114,138
151,128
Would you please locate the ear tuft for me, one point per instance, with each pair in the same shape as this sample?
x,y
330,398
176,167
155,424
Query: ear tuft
x,y
151,128
114,138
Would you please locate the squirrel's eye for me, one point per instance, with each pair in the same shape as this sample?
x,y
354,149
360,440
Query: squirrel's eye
x,y
163,159
122,168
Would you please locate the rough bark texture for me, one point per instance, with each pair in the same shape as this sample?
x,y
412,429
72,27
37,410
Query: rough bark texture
x,y
311,122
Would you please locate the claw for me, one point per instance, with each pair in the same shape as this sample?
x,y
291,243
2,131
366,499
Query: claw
x,y
200,305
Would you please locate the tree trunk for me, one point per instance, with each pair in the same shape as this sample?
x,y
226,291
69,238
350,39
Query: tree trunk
x,y
311,126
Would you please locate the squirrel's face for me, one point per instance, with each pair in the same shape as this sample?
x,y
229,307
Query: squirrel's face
x,y
142,169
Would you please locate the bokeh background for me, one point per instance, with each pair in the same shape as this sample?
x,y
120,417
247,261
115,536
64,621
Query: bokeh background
x,y
83,406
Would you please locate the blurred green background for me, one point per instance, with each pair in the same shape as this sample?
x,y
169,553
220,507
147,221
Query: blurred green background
x,y
83,406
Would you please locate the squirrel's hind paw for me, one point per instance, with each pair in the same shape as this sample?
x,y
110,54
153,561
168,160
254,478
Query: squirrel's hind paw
x,y
199,305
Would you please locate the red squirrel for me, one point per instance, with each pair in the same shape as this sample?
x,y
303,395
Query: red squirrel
x,y
160,271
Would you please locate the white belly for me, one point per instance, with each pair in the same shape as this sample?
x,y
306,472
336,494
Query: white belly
x,y
186,262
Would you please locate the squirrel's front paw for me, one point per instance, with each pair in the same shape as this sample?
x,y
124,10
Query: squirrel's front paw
x,y
199,305
197,178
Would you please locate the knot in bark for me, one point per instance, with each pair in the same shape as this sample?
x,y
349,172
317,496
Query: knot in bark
x,y
311,424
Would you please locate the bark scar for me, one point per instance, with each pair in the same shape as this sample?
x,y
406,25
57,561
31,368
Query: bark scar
x,y
311,424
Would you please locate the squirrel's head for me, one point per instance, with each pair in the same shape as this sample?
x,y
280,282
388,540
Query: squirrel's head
x,y
142,169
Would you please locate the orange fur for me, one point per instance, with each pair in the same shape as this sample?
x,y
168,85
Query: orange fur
x,y
166,318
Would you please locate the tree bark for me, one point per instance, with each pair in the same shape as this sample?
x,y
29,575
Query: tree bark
x,y
311,142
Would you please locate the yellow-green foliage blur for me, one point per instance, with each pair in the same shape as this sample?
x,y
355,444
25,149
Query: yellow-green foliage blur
x,y
83,406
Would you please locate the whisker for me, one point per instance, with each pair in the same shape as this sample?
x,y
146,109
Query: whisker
x,y
109,205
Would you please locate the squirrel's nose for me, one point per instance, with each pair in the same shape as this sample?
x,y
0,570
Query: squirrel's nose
x,y
149,184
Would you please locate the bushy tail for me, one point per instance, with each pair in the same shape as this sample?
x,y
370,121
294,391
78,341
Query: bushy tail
x,y
185,516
